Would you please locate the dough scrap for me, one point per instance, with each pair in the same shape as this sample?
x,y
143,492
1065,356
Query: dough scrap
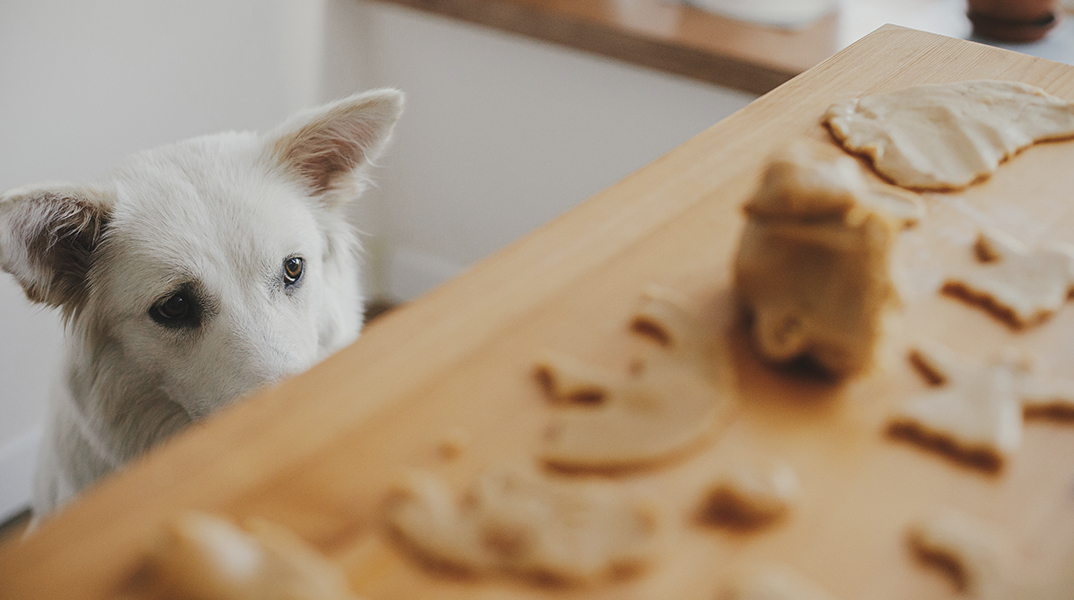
x,y
970,553
980,561
206,557
515,522
669,402
813,266
947,136
1019,286
1043,397
776,584
976,413
973,415
749,497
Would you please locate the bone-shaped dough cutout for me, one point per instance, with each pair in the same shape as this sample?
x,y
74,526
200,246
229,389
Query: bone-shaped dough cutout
x,y
1022,287
975,411
980,562
947,136
515,522
672,398
813,269
750,496
206,557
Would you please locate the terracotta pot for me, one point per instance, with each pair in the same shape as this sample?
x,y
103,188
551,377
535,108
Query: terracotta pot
x,y
1013,20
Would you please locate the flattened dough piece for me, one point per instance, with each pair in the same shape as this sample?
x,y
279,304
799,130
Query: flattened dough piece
x,y
750,496
1020,286
973,415
976,412
207,557
673,398
516,522
982,563
1043,396
946,136
968,551
813,268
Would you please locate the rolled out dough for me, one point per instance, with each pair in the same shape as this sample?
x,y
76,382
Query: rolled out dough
x,y
516,522
947,136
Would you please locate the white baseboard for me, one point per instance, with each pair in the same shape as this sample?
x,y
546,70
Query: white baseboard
x,y
412,273
17,461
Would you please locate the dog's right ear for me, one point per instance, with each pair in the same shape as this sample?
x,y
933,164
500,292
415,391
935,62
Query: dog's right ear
x,y
48,237
330,147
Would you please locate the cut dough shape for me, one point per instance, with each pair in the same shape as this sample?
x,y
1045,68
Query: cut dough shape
x,y
970,553
749,497
813,266
976,413
981,563
947,136
973,416
518,523
1019,286
669,402
1043,397
776,584
206,557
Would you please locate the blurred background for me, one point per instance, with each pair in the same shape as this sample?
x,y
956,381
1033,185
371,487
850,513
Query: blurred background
x,y
502,131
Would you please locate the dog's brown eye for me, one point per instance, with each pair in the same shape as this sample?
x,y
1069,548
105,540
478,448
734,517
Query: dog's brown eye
x,y
175,307
292,270
176,310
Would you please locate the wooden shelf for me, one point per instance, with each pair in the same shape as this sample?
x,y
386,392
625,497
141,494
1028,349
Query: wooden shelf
x,y
657,34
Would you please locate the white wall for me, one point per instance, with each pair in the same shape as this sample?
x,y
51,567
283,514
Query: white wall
x,y
500,134
85,83
503,133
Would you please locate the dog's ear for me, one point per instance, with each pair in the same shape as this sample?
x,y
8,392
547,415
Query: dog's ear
x,y
329,148
48,236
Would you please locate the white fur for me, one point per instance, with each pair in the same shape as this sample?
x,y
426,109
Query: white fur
x,y
215,218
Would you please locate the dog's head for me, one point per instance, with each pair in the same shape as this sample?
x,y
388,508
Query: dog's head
x,y
199,271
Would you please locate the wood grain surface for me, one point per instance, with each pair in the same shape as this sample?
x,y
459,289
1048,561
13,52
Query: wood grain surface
x,y
661,35
319,452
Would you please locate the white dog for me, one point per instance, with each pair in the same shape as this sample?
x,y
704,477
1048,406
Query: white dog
x,y
191,275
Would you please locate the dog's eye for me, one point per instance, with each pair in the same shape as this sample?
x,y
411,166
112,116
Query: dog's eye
x,y
176,310
292,270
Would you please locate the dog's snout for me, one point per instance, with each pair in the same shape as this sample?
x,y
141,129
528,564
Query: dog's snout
x,y
265,354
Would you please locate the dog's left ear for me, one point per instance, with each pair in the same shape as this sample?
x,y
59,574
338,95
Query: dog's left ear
x,y
49,236
329,148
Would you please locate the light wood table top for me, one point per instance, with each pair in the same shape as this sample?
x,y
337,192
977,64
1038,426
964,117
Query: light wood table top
x,y
320,452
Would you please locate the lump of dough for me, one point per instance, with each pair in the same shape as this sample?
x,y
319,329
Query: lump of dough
x,y
947,136
206,557
813,265
513,521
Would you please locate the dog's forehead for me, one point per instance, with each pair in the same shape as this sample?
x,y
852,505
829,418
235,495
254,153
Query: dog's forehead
x,y
210,204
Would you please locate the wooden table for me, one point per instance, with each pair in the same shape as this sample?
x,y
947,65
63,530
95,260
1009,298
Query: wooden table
x,y
319,452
